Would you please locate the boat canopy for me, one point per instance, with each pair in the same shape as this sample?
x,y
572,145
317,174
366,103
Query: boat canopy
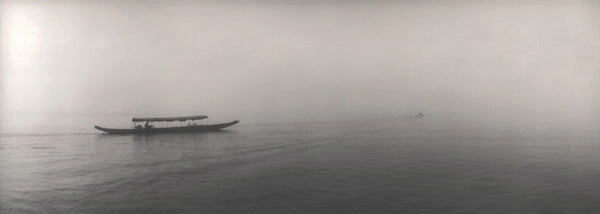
x,y
169,119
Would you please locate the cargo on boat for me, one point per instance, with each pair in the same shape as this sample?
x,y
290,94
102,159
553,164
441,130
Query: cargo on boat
x,y
148,128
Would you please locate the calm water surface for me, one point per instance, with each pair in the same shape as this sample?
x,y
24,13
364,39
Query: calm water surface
x,y
364,167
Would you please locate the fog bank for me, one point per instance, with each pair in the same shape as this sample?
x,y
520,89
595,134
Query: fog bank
x,y
299,61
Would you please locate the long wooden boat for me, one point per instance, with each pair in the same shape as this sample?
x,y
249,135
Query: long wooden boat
x,y
149,129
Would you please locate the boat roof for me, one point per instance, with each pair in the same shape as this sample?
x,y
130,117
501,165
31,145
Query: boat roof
x,y
169,119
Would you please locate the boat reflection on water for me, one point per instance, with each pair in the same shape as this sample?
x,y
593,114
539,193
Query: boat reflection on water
x,y
150,149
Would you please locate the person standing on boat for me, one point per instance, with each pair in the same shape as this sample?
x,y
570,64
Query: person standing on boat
x,y
147,125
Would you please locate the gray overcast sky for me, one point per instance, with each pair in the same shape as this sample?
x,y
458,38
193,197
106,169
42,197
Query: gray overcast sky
x,y
301,60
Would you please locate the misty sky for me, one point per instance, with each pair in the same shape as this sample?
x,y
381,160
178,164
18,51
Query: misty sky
x,y
301,60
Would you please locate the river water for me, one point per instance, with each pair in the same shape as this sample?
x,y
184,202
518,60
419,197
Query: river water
x,y
398,166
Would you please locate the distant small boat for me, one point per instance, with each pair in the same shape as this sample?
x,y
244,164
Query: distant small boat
x,y
148,128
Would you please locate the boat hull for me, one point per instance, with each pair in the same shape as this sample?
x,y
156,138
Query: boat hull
x,y
196,128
